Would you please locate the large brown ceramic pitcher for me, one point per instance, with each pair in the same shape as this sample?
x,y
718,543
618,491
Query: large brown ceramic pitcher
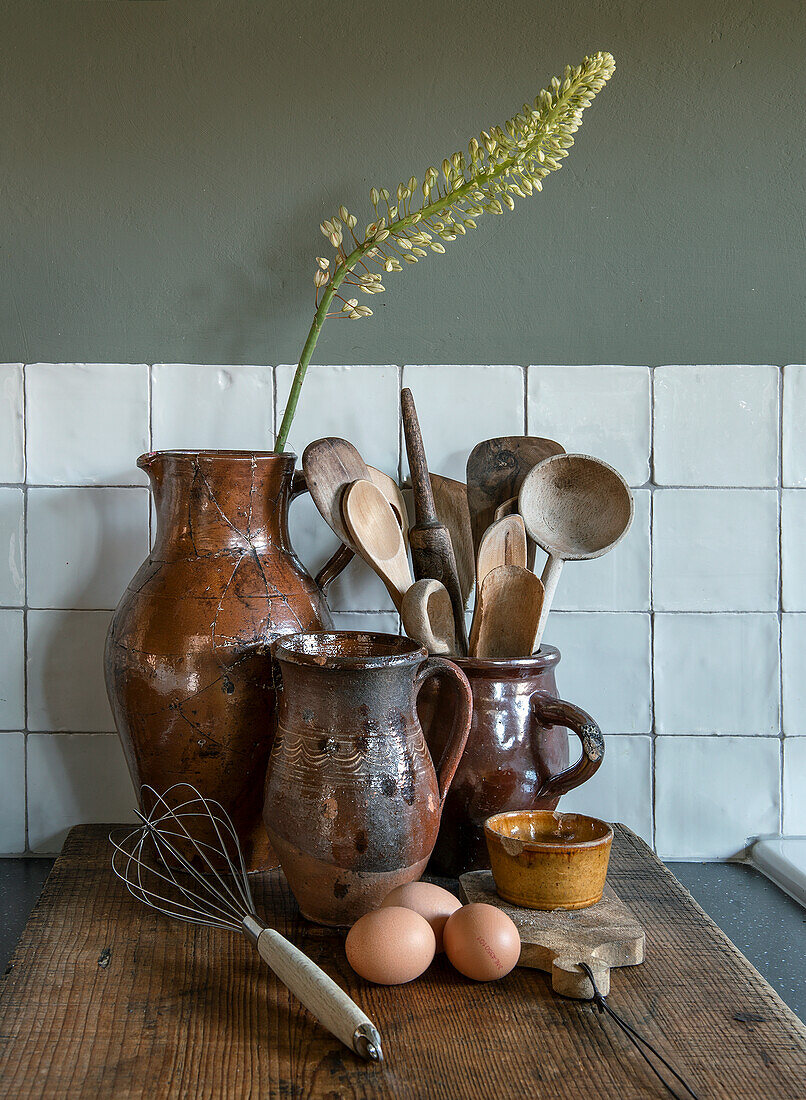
x,y
188,668
517,751
353,800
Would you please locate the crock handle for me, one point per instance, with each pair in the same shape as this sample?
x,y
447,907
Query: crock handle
x,y
337,561
549,711
455,746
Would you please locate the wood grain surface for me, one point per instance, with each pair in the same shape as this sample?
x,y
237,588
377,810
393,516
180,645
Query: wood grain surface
x,y
104,998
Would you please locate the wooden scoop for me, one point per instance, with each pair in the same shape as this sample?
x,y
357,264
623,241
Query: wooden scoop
x,y
427,615
374,531
391,490
575,507
495,472
503,543
507,612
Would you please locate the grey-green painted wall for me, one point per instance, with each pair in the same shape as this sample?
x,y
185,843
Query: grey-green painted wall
x,y
165,166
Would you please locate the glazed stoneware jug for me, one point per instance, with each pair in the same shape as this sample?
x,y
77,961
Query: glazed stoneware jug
x,y
517,751
353,799
188,668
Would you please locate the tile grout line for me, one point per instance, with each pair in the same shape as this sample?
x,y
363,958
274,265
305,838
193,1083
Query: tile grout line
x,y
653,755
781,719
25,598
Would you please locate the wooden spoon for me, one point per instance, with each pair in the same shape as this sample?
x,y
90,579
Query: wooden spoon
x,y
574,507
391,490
427,615
507,613
431,548
330,465
503,543
374,531
495,472
450,502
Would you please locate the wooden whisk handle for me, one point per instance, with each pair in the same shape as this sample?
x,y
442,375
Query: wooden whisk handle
x,y
424,508
326,1000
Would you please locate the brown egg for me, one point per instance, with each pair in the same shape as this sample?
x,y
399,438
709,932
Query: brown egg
x,y
430,901
482,942
390,946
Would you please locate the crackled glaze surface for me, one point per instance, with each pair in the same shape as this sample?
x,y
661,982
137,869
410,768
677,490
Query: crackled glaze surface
x,y
187,666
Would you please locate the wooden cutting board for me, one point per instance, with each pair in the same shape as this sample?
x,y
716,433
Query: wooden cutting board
x,y
105,999
604,935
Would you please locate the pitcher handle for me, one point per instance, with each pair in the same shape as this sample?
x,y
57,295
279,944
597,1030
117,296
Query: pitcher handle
x,y
340,558
549,711
438,666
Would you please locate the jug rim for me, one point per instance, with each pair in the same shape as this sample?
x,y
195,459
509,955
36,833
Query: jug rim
x,y
547,657
318,649
233,456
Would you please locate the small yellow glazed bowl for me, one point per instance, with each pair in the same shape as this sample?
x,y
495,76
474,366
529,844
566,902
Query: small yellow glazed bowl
x,y
542,859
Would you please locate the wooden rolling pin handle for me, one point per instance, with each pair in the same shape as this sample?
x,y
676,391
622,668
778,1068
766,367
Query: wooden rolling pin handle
x,y
326,1000
424,507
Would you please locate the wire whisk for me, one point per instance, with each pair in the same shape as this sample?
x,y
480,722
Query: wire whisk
x,y
167,864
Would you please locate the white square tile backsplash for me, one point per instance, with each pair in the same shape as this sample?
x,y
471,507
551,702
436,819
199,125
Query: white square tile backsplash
x,y
12,541
84,545
86,423
459,406
600,411
716,425
12,405
675,642
222,408
715,550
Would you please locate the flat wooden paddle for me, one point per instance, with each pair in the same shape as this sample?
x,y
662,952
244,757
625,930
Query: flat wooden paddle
x,y
330,465
374,531
431,548
506,614
510,508
450,502
495,472
503,543
391,490
427,616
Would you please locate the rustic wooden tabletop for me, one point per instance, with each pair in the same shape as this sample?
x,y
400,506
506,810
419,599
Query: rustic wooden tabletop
x,y
104,998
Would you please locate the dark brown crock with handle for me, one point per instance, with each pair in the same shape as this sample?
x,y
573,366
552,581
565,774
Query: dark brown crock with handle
x,y
353,798
188,668
516,756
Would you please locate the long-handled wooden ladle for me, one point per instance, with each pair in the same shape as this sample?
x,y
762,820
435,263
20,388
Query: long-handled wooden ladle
x,y
575,507
374,531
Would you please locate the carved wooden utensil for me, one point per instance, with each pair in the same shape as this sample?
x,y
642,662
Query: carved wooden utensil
x,y
575,507
450,501
507,612
510,508
330,465
503,543
431,548
495,472
374,531
391,490
427,616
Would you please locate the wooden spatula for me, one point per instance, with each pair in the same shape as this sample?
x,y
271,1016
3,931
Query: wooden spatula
x,y
450,502
330,465
507,613
428,616
374,531
495,472
510,508
503,543
431,548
